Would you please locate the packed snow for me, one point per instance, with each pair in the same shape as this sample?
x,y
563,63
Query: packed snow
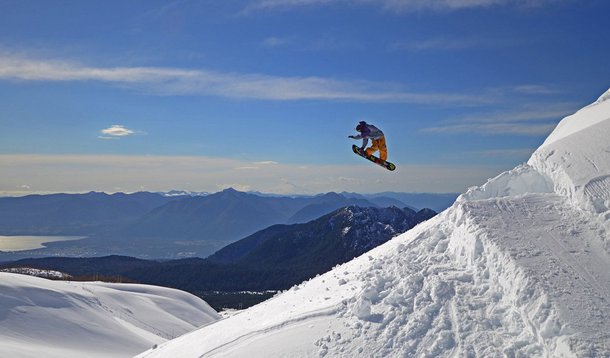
x,y
44,318
518,267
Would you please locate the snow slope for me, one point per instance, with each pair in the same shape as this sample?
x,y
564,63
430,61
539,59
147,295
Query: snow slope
x,y
43,318
518,267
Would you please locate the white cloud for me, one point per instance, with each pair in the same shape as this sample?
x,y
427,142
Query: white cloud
x,y
176,82
115,131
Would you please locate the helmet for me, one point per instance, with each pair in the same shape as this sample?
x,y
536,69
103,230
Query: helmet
x,y
360,126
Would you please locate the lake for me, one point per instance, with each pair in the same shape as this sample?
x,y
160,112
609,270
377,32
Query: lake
x,y
21,243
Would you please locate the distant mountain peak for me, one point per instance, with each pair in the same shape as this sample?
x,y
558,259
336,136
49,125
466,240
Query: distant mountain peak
x,y
97,193
331,195
232,193
230,190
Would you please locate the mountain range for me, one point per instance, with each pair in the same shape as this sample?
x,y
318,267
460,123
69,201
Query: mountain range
x,y
156,225
73,214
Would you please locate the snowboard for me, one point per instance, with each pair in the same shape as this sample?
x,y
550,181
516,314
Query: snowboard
x,y
374,159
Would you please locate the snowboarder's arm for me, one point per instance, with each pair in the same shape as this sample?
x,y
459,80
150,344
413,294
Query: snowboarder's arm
x,y
365,139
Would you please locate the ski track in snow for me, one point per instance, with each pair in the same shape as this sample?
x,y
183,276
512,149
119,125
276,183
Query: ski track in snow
x,y
564,256
437,300
429,307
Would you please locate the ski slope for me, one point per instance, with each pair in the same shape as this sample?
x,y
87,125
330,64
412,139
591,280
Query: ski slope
x,y
43,318
517,267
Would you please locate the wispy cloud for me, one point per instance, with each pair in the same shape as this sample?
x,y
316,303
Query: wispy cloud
x,y
441,44
545,112
505,153
274,5
465,42
323,43
177,81
257,165
535,89
494,128
527,121
273,42
459,43
396,6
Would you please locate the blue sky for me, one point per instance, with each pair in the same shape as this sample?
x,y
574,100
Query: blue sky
x,y
261,95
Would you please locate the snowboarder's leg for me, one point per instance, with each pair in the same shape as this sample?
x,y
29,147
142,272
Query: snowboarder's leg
x,y
373,148
383,150
378,145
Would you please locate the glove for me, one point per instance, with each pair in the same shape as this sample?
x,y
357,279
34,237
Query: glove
x,y
351,136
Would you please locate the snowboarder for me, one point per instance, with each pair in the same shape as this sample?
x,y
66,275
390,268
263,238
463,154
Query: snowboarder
x,y
370,131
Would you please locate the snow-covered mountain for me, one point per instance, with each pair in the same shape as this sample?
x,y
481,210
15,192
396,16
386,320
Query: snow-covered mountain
x,y
176,192
518,267
51,274
44,318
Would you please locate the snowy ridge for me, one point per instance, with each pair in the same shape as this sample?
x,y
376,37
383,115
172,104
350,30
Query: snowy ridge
x,y
43,318
38,273
518,267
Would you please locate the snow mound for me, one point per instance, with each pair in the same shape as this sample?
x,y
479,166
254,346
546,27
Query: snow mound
x,y
576,157
574,161
518,267
43,318
521,180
